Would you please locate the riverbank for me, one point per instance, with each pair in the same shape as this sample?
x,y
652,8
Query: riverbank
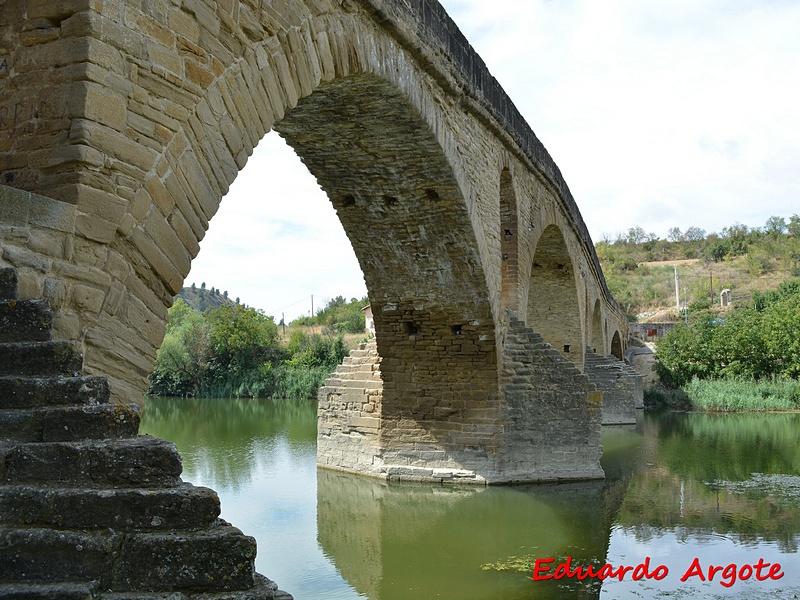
x,y
727,395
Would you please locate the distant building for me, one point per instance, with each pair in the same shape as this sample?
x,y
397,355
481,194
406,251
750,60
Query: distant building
x,y
725,298
370,320
649,332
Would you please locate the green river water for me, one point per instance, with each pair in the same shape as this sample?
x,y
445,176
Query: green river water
x,y
683,492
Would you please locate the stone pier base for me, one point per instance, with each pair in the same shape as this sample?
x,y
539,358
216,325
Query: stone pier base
x,y
547,428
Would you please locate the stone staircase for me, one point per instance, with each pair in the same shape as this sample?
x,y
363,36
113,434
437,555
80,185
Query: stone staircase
x,y
349,411
621,384
89,509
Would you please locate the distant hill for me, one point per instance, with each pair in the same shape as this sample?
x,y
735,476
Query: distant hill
x,y
200,298
640,268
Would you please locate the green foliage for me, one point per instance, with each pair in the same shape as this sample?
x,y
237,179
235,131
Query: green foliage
x,y
314,350
741,258
757,343
744,394
242,338
234,351
339,316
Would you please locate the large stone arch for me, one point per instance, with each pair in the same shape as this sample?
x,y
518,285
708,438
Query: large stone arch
x,y
553,307
401,206
190,90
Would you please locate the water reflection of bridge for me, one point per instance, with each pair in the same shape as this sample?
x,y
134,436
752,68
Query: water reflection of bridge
x,y
399,541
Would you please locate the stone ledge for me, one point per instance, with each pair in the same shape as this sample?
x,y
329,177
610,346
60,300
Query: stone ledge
x,y
70,423
39,358
29,392
143,461
183,507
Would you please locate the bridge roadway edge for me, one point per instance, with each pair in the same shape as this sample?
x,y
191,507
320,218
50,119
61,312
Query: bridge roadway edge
x,y
484,92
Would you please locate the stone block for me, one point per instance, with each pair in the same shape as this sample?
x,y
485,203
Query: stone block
x,y
39,358
28,320
184,507
137,462
217,559
29,392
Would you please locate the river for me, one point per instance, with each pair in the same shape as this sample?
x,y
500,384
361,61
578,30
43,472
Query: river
x,y
683,493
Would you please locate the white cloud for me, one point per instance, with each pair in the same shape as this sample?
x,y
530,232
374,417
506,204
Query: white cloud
x,y
658,115
276,241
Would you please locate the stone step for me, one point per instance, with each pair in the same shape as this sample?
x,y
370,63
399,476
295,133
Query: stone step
x,y
30,392
263,589
49,591
28,320
184,507
8,284
142,461
219,558
70,423
39,358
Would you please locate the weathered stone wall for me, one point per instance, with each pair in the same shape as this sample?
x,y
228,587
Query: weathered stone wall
x,y
551,412
621,385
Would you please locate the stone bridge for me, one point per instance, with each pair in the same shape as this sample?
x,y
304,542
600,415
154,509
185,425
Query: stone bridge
x,y
123,123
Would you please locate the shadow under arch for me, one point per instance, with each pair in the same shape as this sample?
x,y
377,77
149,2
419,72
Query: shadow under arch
x,y
396,195
597,344
553,309
509,248
616,346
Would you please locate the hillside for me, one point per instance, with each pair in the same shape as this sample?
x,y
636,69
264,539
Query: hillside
x,y
640,269
201,299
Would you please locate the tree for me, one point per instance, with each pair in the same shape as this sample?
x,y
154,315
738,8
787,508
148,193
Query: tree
x,y
674,234
695,234
242,338
636,235
794,226
755,342
775,226
183,359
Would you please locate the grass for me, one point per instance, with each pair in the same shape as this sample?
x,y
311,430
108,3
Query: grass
x,y
730,395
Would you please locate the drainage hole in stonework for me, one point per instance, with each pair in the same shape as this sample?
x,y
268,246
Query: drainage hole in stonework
x,y
432,194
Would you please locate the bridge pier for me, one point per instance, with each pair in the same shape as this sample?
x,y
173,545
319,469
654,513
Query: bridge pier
x,y
542,425
621,385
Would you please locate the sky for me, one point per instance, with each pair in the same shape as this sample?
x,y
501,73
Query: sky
x,y
659,114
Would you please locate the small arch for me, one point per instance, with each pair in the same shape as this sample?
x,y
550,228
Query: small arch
x,y
553,308
596,330
616,346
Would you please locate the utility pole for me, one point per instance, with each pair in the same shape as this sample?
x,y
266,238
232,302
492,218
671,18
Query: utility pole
x,y
711,286
677,291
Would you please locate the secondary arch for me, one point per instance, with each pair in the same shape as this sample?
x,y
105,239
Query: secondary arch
x,y
553,308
